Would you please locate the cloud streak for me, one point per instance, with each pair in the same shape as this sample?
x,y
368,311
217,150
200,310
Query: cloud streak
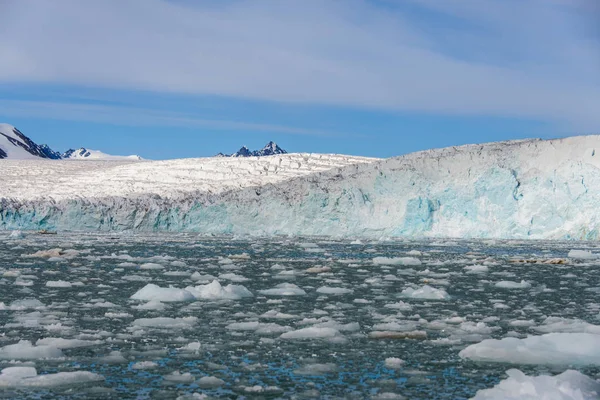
x,y
528,59
140,117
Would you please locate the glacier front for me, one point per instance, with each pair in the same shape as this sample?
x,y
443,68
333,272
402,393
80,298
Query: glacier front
x,y
539,189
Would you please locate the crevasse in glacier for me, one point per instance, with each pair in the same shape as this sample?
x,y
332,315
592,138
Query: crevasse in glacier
x,y
543,189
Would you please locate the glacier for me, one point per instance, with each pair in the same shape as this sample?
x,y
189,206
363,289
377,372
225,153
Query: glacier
x,y
537,189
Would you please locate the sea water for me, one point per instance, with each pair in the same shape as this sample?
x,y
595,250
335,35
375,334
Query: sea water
x,y
282,317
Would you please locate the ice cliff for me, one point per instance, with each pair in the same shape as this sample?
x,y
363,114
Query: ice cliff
x,y
542,189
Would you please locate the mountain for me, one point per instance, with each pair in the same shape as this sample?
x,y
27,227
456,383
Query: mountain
x,y
270,149
87,154
15,145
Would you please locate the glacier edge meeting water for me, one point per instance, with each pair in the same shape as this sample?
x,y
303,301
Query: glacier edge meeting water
x,y
538,189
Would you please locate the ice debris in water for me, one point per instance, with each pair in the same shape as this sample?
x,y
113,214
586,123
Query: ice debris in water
x,y
28,377
154,292
513,285
396,261
570,385
16,235
549,349
334,290
24,350
312,333
426,293
214,291
283,289
165,322
394,363
582,255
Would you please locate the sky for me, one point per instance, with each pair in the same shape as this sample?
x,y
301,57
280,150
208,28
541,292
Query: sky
x,y
191,78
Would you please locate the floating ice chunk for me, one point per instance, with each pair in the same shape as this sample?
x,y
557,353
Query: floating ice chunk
x,y
582,255
25,304
258,327
207,382
178,377
566,325
316,369
549,349
233,277
28,377
317,270
284,289
197,276
274,314
151,266
387,396
312,333
513,285
24,350
192,347
214,291
59,284
394,363
61,343
570,385
16,235
426,293
152,292
166,322
476,269
144,365
522,323
55,253
396,261
334,290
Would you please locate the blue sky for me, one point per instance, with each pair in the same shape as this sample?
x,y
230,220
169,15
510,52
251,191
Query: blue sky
x,y
183,78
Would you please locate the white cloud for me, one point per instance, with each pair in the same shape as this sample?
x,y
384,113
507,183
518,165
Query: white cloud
x,y
526,58
135,116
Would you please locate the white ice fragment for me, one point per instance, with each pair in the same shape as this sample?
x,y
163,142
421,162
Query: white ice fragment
x,y
394,363
15,377
24,350
396,261
334,290
570,385
59,284
144,365
426,293
151,266
283,289
513,285
476,269
207,382
166,322
311,333
549,349
582,255
152,292
214,291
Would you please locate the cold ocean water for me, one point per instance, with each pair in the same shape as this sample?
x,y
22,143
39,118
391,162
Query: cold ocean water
x,y
303,318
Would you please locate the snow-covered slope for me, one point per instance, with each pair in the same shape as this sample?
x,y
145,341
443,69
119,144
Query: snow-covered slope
x,y
523,189
87,154
15,145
